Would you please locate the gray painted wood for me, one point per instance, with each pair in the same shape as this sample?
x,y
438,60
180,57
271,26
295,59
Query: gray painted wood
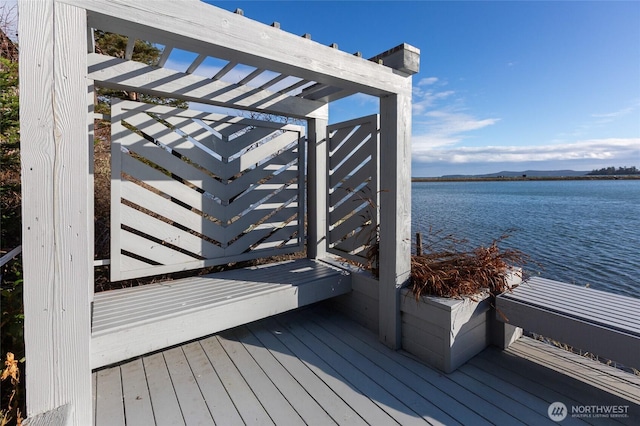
x,y
192,404
108,72
269,334
137,402
139,320
245,401
166,409
109,398
297,352
220,405
603,323
287,385
395,212
57,235
235,39
276,405
317,360
316,188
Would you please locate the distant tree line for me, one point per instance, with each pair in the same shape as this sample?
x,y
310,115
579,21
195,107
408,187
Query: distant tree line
x,y
616,171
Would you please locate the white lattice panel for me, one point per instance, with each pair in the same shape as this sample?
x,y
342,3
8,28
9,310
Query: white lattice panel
x,y
353,187
193,189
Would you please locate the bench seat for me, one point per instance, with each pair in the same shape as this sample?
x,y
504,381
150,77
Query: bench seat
x,y
138,320
605,324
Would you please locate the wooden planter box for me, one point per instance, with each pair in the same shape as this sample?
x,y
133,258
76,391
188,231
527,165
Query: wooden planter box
x,y
445,332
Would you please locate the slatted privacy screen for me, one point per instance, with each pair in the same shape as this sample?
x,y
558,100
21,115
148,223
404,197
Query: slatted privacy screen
x,y
192,189
353,187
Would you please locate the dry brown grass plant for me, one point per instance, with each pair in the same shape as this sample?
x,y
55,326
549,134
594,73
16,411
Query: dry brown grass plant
x,y
456,272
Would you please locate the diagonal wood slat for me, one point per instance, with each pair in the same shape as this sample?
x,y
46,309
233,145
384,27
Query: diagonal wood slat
x,y
353,188
193,189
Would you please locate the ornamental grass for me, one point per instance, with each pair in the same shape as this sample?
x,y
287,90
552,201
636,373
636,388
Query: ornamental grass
x,y
459,272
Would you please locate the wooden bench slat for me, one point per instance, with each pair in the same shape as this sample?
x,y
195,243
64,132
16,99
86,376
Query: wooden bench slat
x,y
134,321
580,295
604,324
579,302
603,315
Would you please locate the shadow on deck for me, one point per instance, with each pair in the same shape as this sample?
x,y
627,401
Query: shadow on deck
x,y
314,366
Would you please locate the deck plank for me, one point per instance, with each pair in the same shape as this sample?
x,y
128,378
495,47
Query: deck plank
x,y
499,393
359,371
245,401
137,402
220,405
296,395
561,363
263,388
109,408
383,374
459,401
317,367
164,401
524,376
192,404
360,403
319,390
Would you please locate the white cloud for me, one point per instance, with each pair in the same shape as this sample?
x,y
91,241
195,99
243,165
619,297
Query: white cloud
x,y
439,116
427,81
439,128
611,149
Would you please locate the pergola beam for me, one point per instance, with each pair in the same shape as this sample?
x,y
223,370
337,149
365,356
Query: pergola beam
x,y
116,73
203,29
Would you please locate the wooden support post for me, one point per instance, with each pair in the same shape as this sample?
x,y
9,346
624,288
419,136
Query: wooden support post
x,y
395,212
317,188
419,243
58,250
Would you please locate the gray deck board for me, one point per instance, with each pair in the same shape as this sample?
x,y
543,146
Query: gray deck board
x,y
314,366
166,410
327,399
137,402
192,404
213,391
245,401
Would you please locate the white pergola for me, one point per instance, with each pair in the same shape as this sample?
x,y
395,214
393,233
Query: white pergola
x,y
58,70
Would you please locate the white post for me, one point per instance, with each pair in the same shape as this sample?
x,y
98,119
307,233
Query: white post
x,y
58,250
395,212
317,188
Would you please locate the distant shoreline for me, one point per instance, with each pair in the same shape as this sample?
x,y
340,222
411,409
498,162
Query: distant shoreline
x,y
521,178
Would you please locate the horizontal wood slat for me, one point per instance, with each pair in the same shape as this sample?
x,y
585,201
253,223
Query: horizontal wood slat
x,y
603,323
193,189
138,320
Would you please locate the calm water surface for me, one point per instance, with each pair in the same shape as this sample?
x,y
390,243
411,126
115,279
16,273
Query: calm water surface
x,y
582,232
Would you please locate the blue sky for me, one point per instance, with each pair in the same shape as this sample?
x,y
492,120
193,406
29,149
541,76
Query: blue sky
x,y
503,85
507,85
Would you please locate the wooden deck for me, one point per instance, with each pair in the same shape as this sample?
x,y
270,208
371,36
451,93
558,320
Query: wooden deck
x,y
314,366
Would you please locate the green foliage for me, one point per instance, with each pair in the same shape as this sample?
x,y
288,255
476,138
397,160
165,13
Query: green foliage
x,y
612,171
9,155
9,108
12,321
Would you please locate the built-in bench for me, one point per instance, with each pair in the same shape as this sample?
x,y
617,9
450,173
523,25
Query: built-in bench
x,y
605,324
138,320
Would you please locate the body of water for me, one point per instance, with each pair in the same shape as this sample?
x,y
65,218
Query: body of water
x,y
582,232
